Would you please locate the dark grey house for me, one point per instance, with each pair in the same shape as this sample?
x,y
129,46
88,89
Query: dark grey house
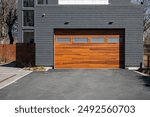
x,y
83,33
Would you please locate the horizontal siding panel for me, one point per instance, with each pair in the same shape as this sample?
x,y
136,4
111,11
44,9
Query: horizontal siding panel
x,y
127,17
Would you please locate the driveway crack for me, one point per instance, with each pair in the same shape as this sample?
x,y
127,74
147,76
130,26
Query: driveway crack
x,y
7,78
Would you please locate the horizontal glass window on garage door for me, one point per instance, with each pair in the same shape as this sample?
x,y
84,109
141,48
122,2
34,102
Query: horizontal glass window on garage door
x,y
115,40
80,40
63,40
97,40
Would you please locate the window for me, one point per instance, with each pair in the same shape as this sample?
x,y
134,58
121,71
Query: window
x,y
28,36
97,40
42,1
61,40
113,40
28,17
28,3
81,40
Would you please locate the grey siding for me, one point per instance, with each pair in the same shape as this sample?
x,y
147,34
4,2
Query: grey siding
x,y
52,1
128,17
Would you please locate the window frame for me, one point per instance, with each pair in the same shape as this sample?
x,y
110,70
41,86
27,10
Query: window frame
x,y
61,38
113,38
29,6
23,19
96,38
28,30
44,2
84,38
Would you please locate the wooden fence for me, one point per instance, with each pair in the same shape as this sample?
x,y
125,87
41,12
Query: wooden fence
x,y
21,53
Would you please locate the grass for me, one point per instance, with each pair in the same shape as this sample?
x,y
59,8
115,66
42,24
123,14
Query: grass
x,y
35,68
3,61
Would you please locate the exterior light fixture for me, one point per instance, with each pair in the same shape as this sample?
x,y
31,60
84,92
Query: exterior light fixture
x,y
43,14
110,23
66,23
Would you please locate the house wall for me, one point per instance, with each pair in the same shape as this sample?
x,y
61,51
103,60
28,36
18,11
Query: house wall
x,y
129,18
52,1
122,13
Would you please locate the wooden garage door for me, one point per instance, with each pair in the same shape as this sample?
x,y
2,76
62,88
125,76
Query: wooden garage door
x,y
89,48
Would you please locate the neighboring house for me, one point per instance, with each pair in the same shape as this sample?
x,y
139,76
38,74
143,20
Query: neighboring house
x,y
0,21
83,33
4,39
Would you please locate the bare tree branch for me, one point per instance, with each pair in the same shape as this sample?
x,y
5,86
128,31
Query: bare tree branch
x,y
8,18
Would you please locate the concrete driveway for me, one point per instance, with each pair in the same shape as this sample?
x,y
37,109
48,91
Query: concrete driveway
x,y
10,74
100,84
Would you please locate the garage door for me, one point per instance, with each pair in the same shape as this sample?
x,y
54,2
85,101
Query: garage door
x,y
88,48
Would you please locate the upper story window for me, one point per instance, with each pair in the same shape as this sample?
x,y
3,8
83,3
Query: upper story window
x,y
28,16
81,2
28,3
42,1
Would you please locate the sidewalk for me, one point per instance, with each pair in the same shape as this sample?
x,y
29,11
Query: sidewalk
x,y
9,74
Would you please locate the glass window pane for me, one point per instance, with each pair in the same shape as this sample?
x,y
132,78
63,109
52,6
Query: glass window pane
x,y
28,36
121,39
81,40
97,40
28,16
113,40
28,3
40,1
63,40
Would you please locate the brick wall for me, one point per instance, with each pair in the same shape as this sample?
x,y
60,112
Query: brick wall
x,y
22,53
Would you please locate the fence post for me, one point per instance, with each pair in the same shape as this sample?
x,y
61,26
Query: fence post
x,y
148,61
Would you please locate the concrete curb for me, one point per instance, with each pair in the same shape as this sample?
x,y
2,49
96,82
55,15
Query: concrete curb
x,y
141,73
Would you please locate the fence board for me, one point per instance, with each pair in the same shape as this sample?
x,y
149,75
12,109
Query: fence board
x,y
21,53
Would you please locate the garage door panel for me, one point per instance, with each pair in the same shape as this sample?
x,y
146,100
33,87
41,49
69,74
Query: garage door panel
x,y
88,48
101,55
107,52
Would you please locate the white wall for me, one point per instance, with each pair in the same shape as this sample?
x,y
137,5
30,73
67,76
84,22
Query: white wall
x,y
83,2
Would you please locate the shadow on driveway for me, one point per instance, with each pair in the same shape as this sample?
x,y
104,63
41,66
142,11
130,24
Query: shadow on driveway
x,y
145,80
11,64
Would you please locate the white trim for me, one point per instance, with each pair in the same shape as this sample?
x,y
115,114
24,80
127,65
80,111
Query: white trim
x,y
132,68
141,73
83,2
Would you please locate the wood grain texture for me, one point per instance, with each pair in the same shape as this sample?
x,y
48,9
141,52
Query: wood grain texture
x,y
88,55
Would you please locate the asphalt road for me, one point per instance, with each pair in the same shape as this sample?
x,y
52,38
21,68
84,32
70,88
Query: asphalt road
x,y
99,84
